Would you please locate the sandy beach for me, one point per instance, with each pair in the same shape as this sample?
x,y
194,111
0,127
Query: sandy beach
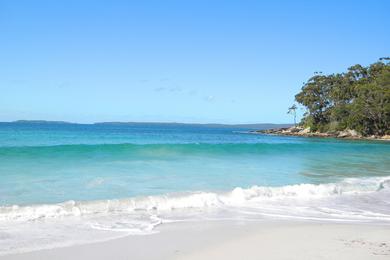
x,y
236,240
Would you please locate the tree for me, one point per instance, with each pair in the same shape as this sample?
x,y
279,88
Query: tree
x,y
293,110
357,99
315,97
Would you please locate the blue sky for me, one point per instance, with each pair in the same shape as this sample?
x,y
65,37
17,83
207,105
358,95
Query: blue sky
x,y
183,61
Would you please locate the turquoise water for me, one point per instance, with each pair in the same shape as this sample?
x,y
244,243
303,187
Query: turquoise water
x,y
104,180
56,163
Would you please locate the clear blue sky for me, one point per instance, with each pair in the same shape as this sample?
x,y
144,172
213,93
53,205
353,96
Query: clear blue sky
x,y
186,61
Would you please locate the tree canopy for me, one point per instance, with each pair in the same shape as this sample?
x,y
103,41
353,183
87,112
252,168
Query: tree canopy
x,y
357,99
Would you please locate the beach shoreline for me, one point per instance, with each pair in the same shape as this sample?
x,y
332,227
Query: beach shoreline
x,y
305,132
236,240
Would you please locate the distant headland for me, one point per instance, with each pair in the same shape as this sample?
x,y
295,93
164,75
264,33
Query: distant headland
x,y
257,126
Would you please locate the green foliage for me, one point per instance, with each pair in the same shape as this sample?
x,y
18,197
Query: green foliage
x,y
293,110
357,99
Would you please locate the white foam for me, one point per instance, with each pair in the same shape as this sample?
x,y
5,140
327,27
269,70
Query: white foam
x,y
237,197
26,228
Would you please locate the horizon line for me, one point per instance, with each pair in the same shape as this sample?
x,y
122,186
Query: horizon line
x,y
134,122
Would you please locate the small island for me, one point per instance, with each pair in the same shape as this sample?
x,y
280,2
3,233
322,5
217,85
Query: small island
x,y
354,104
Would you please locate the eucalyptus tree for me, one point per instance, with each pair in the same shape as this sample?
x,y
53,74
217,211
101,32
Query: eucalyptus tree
x,y
293,110
356,99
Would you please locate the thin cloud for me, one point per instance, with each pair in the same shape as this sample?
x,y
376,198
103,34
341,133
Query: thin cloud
x,y
175,89
168,89
209,98
192,92
159,89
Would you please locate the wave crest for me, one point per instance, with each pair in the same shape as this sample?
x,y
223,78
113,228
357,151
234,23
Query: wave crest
x,y
236,198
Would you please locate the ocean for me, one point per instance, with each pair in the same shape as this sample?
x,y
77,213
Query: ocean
x,y
65,184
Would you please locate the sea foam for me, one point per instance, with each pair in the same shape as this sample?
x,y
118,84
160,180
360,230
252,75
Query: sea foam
x,y
34,227
237,197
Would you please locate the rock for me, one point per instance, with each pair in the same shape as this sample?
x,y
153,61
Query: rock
x,y
296,129
353,133
348,133
322,134
305,131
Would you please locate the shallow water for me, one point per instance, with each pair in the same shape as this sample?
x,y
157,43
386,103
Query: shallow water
x,y
104,181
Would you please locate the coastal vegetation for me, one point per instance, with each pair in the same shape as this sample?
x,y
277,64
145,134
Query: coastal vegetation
x,y
293,111
357,99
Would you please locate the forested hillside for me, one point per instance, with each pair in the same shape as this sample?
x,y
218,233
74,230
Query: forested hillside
x,y
357,99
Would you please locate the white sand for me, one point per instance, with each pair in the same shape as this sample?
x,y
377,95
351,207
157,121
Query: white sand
x,y
235,240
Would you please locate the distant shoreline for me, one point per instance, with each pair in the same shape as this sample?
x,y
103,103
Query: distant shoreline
x,y
249,126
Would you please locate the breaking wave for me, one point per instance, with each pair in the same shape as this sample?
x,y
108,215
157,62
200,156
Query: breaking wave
x,y
239,197
35,227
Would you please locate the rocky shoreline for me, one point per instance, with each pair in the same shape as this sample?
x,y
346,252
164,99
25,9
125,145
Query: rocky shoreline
x,y
306,132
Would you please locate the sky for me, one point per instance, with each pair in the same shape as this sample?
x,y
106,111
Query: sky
x,y
177,61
